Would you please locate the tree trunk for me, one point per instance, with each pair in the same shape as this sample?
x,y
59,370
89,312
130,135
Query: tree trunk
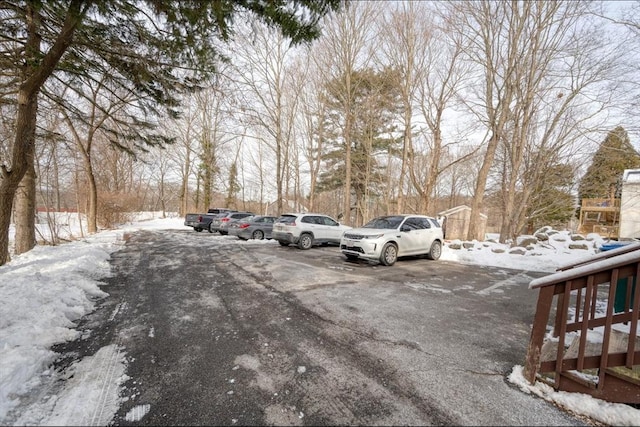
x,y
347,177
481,183
92,211
25,210
92,223
184,192
22,158
406,142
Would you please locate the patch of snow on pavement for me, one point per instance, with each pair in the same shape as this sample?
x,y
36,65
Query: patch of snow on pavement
x,y
137,413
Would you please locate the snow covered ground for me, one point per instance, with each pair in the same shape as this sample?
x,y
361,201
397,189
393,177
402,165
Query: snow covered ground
x,y
45,291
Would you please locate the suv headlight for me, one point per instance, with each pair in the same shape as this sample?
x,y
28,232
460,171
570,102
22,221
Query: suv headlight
x,y
373,236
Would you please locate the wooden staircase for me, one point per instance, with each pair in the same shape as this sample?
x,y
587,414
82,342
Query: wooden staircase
x,y
585,331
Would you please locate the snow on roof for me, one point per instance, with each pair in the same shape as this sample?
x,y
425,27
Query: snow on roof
x,y
631,176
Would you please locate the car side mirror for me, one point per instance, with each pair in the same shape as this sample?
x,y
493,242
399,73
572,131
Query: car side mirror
x,y
405,228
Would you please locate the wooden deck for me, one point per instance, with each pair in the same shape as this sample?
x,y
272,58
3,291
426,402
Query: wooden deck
x,y
600,216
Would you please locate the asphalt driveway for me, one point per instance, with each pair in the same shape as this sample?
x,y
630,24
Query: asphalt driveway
x,y
223,332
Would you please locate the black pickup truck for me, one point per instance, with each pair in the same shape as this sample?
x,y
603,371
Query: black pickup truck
x,y
201,222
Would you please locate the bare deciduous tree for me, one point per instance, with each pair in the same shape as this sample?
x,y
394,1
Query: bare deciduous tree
x,y
213,132
268,105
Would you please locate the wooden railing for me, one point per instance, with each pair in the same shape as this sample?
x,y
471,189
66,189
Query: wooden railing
x,y
592,345
592,203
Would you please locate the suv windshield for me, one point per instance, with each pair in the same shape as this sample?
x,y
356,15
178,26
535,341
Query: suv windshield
x,y
390,222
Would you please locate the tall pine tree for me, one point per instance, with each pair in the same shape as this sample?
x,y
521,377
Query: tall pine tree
x,y
376,106
603,177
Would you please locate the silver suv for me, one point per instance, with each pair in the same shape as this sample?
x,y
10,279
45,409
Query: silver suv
x,y
387,238
307,229
220,222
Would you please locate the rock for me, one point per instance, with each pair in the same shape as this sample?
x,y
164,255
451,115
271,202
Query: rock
x,y
543,237
575,237
455,245
526,240
543,230
517,251
498,250
583,246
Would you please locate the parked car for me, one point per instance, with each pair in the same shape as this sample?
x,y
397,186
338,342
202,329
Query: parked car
x,y
307,230
221,221
256,227
387,238
201,222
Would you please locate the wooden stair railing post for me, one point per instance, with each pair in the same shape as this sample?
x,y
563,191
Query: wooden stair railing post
x,y
557,324
633,330
578,299
594,300
585,322
561,318
627,299
538,331
604,358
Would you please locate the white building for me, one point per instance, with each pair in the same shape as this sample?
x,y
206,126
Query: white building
x,y
630,205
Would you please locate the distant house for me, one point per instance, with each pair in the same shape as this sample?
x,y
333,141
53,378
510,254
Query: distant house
x,y
456,223
630,205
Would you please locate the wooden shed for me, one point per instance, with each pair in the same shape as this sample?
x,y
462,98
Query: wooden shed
x,y
456,223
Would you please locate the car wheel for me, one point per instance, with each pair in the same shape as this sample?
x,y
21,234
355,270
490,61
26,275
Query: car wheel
x,y
306,241
436,250
389,254
258,235
197,229
209,229
283,243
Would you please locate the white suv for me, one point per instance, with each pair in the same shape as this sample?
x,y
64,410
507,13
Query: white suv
x,y
307,229
386,238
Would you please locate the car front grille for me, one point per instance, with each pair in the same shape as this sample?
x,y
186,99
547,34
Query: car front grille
x,y
353,236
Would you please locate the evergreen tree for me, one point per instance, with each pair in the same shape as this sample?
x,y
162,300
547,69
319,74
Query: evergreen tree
x,y
234,186
603,177
376,106
552,203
